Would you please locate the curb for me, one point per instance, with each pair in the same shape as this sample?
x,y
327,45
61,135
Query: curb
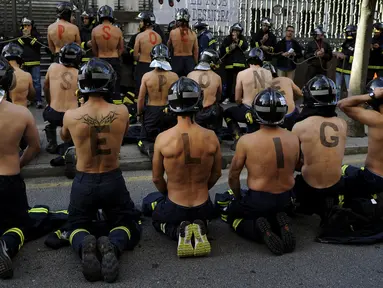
x,y
142,163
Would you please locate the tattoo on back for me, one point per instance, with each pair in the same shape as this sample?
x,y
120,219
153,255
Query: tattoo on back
x,y
66,77
161,82
188,158
204,80
279,152
259,79
97,127
335,139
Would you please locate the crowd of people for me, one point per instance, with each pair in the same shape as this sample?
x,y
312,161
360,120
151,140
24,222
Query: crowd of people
x,y
179,108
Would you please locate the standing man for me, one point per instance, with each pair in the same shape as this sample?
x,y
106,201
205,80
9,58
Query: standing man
x,y
62,32
234,60
288,50
88,23
211,115
346,56
15,122
319,49
270,156
184,44
143,45
323,140
155,117
249,83
191,157
264,39
367,181
97,130
108,44
205,37
31,44
375,64
60,91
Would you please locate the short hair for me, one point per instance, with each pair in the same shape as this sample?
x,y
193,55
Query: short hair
x,y
289,26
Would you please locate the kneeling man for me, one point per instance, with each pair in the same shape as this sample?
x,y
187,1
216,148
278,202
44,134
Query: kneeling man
x,y
323,140
191,157
270,156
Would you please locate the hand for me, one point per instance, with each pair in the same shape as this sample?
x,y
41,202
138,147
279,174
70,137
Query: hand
x,y
265,37
89,44
376,46
232,46
286,54
293,54
265,48
340,56
378,93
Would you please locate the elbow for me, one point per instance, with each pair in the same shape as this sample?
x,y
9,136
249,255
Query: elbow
x,y
157,180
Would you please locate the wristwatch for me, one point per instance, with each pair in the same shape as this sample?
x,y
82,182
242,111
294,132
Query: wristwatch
x,y
372,95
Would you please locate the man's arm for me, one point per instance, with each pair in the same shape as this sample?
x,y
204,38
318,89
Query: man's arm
x,y
238,91
46,89
158,167
195,49
216,169
297,91
136,52
77,37
94,44
31,89
141,97
128,118
170,40
219,90
31,135
300,162
51,44
65,134
243,44
236,167
351,107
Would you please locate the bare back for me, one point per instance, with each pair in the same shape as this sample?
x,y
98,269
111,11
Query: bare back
x,y
285,86
210,83
61,33
97,130
144,44
183,41
253,80
188,158
108,40
13,124
19,95
271,157
323,141
374,160
62,87
157,84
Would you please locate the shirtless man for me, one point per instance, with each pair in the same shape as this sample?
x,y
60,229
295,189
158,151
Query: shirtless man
x,y
24,90
108,44
323,140
288,88
369,180
184,44
143,45
155,117
270,156
211,115
249,83
97,129
15,122
191,157
60,91
62,31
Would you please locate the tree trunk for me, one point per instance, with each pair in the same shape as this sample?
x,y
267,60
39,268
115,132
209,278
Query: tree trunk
x,y
360,62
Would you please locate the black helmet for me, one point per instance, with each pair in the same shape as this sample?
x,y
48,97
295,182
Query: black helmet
x,y
64,10
147,17
199,25
270,107
13,51
160,57
320,91
183,15
171,26
71,55
208,58
376,83
185,96
266,21
97,76
105,12
26,21
88,14
256,56
351,31
378,26
317,31
6,77
271,68
236,27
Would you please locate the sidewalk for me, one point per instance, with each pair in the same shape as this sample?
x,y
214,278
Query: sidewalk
x,y
132,160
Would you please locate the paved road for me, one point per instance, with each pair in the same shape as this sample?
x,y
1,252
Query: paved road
x,y
234,262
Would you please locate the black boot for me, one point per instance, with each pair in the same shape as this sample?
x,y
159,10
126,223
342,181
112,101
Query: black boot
x,y
50,132
235,130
